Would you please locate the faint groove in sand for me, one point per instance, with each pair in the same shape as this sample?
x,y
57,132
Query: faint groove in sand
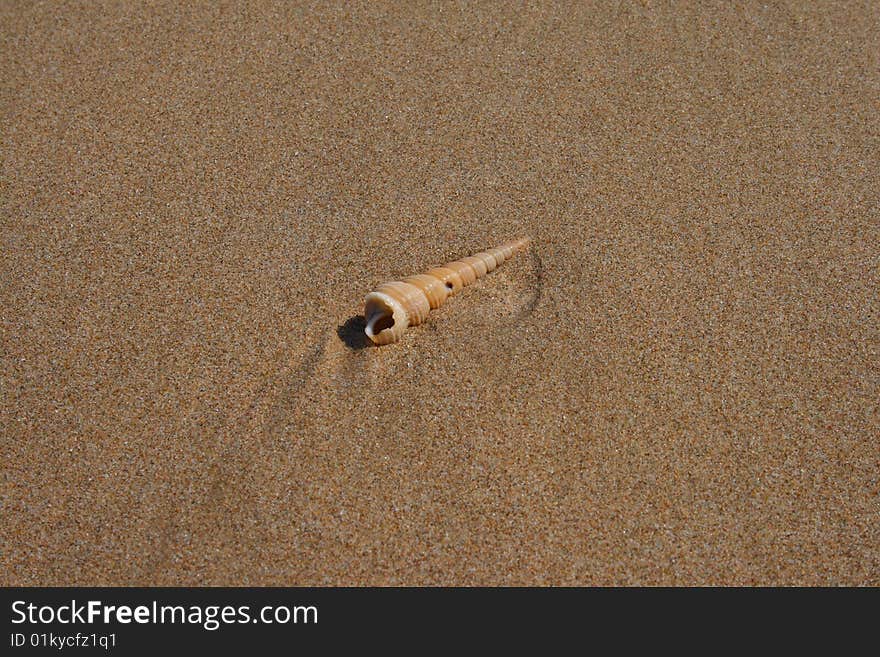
x,y
537,286
233,459
288,400
523,303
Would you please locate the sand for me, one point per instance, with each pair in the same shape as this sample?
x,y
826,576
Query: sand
x,y
676,384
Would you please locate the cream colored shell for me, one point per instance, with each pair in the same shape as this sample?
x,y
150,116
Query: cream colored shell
x,y
393,307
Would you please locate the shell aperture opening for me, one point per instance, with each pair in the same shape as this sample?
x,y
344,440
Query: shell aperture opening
x,y
386,318
379,323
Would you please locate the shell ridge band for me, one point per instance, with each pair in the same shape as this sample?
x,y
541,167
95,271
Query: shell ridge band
x,y
393,307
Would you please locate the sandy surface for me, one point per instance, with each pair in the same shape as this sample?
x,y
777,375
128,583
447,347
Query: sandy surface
x,y
678,383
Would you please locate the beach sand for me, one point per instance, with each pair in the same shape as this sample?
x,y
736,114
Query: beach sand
x,y
676,384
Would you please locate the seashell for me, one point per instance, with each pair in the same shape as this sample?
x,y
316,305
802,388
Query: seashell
x,y
394,306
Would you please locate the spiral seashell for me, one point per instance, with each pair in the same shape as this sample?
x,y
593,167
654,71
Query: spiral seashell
x,y
393,307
